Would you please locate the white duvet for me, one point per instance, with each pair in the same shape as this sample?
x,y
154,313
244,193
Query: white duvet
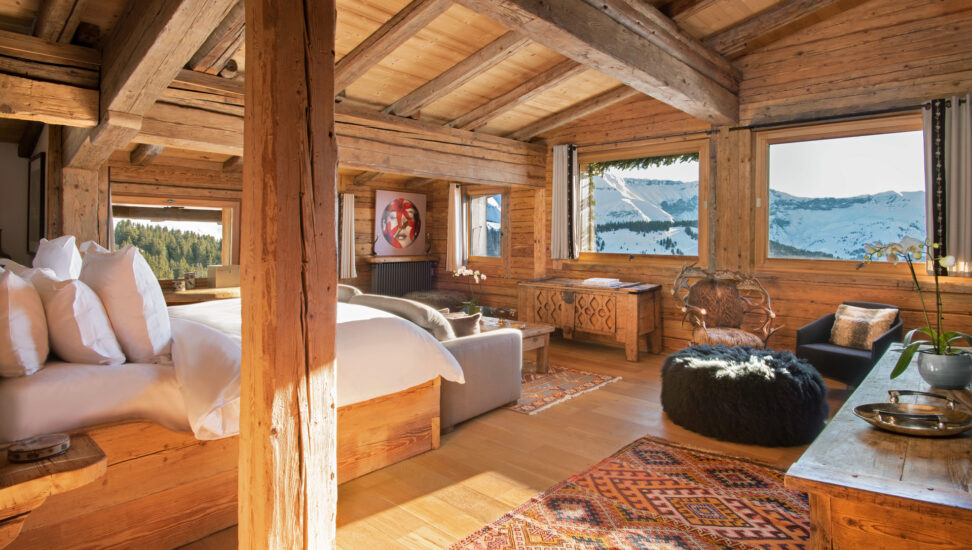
x,y
377,354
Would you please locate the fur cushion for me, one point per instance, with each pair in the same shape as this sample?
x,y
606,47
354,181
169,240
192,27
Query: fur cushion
x,y
464,325
746,395
859,327
725,337
720,300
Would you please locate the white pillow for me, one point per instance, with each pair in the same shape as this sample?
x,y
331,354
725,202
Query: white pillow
x,y
133,299
23,329
78,326
61,255
42,278
91,246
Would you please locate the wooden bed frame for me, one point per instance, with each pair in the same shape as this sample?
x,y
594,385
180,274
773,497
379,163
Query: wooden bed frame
x,y
165,488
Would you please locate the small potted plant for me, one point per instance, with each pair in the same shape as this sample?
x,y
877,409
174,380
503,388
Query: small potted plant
x,y
940,362
470,307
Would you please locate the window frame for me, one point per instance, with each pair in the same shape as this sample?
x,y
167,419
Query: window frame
x,y
656,148
231,230
503,260
900,122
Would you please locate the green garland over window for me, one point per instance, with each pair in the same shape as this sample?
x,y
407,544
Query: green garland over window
x,y
597,168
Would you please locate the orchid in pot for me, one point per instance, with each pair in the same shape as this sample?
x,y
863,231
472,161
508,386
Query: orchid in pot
x,y
940,362
470,307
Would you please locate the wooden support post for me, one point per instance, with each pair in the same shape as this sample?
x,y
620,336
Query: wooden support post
x,y
84,195
288,424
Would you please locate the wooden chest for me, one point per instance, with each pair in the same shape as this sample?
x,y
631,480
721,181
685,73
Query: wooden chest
x,y
623,314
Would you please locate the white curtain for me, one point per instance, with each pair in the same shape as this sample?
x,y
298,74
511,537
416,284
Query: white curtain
x,y
348,270
456,253
948,178
565,222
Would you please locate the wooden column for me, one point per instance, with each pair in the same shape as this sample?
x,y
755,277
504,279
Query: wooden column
x,y
287,484
84,204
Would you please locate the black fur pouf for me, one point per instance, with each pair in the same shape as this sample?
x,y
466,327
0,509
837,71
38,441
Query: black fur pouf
x,y
744,394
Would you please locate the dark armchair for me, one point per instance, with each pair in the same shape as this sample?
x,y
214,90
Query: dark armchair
x,y
847,365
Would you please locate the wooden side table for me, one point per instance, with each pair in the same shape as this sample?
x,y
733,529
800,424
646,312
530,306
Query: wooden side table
x,y
196,295
24,487
536,337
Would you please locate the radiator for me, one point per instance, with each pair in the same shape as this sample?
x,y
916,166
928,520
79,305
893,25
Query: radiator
x,y
400,278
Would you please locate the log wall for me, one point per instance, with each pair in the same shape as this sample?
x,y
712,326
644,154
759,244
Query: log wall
x,y
855,62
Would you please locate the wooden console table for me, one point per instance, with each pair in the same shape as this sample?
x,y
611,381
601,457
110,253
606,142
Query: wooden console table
x,y
620,314
874,489
536,338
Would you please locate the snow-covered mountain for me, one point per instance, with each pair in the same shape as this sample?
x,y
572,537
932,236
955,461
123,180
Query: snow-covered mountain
x,y
839,227
641,216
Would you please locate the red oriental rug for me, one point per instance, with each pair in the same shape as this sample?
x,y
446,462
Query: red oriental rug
x,y
542,391
653,494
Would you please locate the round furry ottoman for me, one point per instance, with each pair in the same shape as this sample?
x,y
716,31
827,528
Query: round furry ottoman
x,y
743,394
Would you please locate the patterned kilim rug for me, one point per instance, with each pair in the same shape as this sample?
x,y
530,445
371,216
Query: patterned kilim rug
x,y
541,391
653,494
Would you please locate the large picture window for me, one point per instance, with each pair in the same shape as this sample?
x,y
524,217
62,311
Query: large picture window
x,y
175,237
831,189
644,201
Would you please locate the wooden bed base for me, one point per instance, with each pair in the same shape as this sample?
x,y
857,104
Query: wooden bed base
x,y
165,488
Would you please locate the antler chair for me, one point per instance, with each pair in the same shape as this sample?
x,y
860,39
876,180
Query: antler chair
x,y
717,303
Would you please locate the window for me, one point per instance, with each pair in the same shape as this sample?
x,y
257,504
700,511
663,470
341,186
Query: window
x,y
174,238
831,189
645,201
486,225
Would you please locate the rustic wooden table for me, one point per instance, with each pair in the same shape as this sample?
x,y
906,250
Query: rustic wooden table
x,y
24,487
536,337
874,489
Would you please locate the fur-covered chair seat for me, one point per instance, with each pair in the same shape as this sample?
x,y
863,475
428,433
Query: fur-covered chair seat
x,y
744,394
718,305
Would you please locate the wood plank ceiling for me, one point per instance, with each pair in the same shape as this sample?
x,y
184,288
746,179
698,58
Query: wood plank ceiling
x,y
510,68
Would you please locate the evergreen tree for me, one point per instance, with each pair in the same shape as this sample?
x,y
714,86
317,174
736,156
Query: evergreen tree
x,y
170,252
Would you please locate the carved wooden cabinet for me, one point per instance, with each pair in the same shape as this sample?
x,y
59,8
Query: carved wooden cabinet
x,y
623,314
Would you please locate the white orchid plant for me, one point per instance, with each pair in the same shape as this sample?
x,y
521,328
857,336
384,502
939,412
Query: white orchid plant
x,y
941,341
463,271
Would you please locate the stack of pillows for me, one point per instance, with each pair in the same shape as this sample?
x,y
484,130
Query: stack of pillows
x,y
104,309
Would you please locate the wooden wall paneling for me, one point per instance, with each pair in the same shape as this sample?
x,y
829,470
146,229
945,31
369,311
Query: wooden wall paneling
x,y
856,62
288,421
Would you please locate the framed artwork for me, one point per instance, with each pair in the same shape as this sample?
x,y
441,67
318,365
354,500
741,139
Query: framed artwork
x,y
36,170
399,223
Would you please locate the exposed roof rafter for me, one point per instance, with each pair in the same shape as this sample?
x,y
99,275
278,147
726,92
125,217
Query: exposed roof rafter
x,y
574,112
402,26
485,58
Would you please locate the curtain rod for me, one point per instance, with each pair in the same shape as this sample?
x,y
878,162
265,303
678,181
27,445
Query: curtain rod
x,y
948,103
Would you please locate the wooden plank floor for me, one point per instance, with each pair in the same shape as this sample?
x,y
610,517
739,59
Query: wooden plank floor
x,y
493,463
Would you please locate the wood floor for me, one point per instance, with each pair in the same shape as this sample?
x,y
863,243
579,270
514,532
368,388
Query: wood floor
x,y
493,463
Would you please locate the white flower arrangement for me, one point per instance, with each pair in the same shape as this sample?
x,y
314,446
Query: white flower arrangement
x,y
463,271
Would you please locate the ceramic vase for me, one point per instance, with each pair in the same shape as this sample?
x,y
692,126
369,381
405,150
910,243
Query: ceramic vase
x,y
948,372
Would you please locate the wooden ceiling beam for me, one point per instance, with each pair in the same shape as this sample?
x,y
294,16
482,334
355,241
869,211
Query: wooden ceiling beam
x,y
32,48
147,49
551,78
58,19
222,44
574,112
143,154
777,22
590,36
368,141
392,34
653,25
485,58
48,102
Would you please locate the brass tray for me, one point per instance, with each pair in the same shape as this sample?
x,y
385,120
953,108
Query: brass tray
x,y
914,418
